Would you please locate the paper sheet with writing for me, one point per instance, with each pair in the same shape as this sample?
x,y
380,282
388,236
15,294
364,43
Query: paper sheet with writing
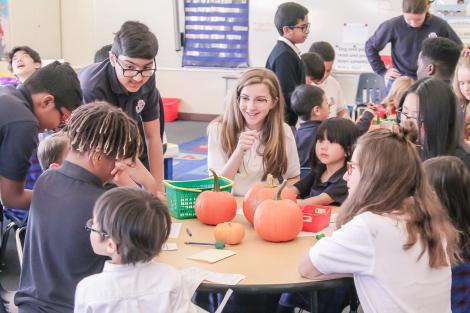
x,y
212,255
175,230
169,246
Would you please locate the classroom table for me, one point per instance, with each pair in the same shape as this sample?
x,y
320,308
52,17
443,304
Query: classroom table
x,y
269,267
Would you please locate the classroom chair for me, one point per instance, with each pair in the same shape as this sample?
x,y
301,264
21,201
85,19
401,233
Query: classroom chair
x,y
17,224
370,89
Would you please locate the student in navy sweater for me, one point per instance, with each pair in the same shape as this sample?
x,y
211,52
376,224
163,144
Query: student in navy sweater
x,y
406,33
291,22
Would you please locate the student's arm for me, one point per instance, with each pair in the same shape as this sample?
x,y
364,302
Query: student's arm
x,y
303,186
349,250
453,36
245,142
321,199
286,70
377,43
13,194
18,142
155,151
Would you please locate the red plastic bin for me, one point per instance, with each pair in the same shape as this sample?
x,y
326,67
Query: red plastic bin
x,y
316,217
171,108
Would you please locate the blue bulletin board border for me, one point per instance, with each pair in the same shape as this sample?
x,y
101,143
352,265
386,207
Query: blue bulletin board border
x,y
216,33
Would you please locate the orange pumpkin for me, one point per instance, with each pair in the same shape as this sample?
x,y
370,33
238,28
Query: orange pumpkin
x,y
261,192
278,220
215,207
229,233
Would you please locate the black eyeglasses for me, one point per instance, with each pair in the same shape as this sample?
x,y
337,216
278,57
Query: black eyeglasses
x,y
89,227
126,72
304,28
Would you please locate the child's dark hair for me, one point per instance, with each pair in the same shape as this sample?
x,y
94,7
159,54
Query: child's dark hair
x,y
59,80
314,65
101,128
135,40
288,14
136,220
443,53
324,49
337,130
102,53
415,6
450,178
28,50
51,149
304,99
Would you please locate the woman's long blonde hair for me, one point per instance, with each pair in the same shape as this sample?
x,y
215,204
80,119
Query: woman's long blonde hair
x,y
272,140
464,62
393,182
398,89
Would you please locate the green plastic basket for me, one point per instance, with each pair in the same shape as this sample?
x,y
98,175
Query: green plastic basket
x,y
181,195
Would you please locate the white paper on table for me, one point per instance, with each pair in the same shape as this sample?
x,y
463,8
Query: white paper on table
x,y
212,255
199,274
169,246
175,230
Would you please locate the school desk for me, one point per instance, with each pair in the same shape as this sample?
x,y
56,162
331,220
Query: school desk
x,y
268,267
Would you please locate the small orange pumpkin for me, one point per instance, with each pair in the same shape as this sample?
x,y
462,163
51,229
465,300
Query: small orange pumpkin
x,y
229,233
261,192
278,220
215,207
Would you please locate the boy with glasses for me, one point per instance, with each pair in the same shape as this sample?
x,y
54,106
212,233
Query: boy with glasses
x,y
127,80
42,102
129,226
291,22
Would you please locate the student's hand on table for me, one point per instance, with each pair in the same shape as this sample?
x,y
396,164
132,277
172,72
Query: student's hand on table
x,y
246,140
392,74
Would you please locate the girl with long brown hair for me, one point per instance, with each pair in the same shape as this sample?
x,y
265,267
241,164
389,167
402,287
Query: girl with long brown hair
x,y
251,140
393,235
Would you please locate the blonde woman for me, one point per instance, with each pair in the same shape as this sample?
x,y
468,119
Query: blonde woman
x,y
398,89
251,139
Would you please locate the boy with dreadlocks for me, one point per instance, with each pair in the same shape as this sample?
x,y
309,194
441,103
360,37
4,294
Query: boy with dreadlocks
x,y
58,253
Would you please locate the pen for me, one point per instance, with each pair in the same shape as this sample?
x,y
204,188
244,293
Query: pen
x,y
217,244
189,232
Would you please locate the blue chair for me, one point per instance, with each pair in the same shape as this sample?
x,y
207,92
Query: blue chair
x,y
370,88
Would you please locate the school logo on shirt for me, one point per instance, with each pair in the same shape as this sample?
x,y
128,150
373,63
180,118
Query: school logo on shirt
x,y
432,35
140,106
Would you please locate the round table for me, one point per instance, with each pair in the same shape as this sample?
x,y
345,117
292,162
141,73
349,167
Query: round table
x,y
269,267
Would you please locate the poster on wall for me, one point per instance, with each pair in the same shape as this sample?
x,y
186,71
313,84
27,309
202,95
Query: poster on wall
x,y
455,12
216,33
4,29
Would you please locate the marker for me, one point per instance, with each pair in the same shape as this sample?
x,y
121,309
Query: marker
x,y
217,244
189,232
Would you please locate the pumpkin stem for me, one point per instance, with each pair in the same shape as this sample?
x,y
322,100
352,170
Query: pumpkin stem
x,y
277,196
270,181
216,181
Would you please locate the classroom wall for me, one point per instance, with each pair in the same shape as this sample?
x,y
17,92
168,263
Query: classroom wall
x,y
86,25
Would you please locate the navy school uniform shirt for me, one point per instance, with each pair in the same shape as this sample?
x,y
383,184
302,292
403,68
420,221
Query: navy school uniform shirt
x,y
312,186
18,132
58,252
305,140
290,72
99,82
406,42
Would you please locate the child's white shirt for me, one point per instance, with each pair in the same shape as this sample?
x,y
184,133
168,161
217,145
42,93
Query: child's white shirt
x,y
387,277
144,287
334,94
251,170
